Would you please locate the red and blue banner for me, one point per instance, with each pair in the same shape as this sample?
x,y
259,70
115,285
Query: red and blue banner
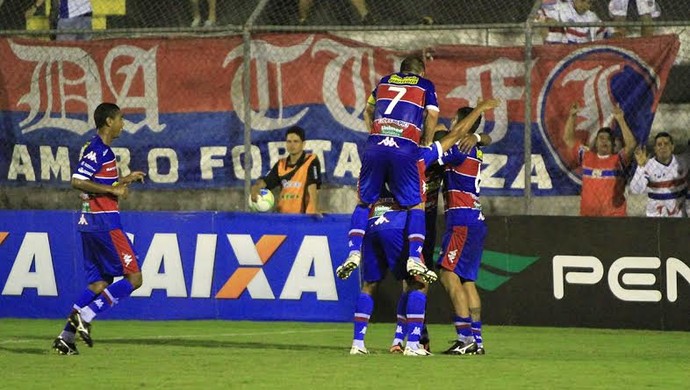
x,y
185,106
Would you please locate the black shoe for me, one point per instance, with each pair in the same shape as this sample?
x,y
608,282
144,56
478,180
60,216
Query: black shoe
x,y
82,327
461,348
480,350
64,348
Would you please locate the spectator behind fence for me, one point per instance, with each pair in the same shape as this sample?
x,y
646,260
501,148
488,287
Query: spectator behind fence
x,y
304,9
575,11
646,9
298,175
663,177
603,172
196,13
71,15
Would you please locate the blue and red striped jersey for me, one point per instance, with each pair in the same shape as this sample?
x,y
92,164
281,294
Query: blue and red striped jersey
x,y
461,186
100,212
401,100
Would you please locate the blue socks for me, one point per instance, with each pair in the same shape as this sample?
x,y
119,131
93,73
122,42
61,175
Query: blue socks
x,y
109,298
416,304
416,229
401,324
358,224
365,305
477,332
462,327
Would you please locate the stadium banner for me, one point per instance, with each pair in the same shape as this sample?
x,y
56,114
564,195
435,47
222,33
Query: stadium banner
x,y
590,272
197,265
184,103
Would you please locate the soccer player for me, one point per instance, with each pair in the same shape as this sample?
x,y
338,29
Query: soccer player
x,y
384,244
664,176
402,107
107,250
434,179
603,177
463,242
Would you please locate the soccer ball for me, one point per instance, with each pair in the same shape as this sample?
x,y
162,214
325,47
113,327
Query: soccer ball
x,y
264,202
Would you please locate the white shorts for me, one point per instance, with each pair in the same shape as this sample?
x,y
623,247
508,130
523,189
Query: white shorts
x,y
644,7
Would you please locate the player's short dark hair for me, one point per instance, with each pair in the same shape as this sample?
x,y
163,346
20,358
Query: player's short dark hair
x,y
297,131
608,131
463,112
440,134
412,64
663,134
103,112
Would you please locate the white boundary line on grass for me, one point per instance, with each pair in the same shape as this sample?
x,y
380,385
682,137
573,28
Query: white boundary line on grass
x,y
189,336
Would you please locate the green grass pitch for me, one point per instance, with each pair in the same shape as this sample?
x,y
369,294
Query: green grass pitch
x,y
279,355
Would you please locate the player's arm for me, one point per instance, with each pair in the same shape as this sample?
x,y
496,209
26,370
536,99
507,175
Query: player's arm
x,y
628,137
460,129
95,188
132,177
430,122
569,131
369,113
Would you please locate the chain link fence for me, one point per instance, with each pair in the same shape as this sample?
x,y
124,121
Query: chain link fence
x,y
208,95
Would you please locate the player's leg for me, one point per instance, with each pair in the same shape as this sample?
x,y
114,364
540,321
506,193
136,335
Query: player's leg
x,y
454,240
407,185
475,305
373,269
468,268
428,257
363,310
371,179
117,259
395,250
65,343
416,312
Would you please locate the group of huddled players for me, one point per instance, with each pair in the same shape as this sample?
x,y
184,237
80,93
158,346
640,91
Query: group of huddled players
x,y
393,225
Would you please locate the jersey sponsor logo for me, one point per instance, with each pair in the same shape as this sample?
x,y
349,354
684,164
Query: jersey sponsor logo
x,y
84,171
390,142
291,184
91,156
597,78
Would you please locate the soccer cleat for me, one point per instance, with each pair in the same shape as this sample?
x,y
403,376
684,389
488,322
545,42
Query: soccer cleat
x,y
358,351
424,342
351,263
462,348
480,350
82,327
64,348
417,268
416,352
397,348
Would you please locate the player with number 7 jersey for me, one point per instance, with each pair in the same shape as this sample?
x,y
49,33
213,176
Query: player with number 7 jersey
x,y
401,109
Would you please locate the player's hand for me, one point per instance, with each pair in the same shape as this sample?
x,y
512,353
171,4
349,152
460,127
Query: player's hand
x,y
121,191
641,156
488,104
467,142
134,176
618,113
